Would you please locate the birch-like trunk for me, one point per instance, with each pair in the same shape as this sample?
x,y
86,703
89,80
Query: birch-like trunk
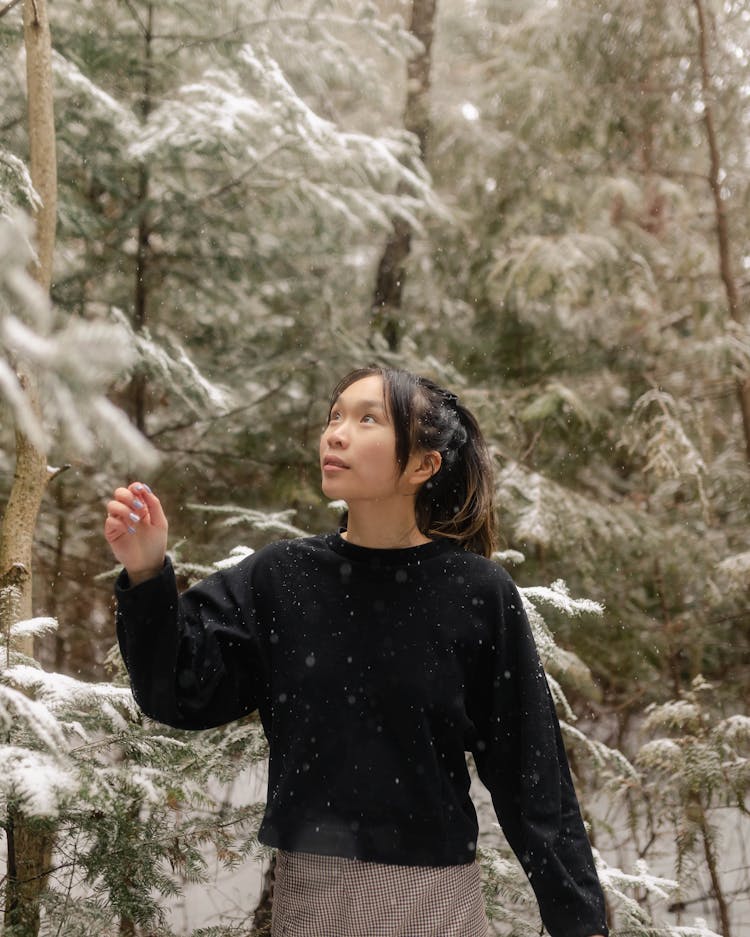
x,y
30,478
29,844
389,281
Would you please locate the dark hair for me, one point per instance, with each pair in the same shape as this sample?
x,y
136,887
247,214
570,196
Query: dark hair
x,y
457,502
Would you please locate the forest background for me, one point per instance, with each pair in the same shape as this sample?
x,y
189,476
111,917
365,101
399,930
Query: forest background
x,y
545,206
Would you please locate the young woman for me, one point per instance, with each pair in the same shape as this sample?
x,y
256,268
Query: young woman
x,y
376,656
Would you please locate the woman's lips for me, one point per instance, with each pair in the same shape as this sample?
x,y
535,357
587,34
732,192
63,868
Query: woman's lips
x,y
333,463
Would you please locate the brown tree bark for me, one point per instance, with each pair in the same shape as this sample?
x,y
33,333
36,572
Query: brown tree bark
x,y
670,629
726,271
389,281
29,847
713,869
138,387
30,844
30,478
264,909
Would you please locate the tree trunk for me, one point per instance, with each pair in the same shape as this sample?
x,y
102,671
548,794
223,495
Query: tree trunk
x,y
264,908
670,630
19,521
30,845
30,478
389,281
127,926
41,123
29,862
713,870
720,211
56,574
138,387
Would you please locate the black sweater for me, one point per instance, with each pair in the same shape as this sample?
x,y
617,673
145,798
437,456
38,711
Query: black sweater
x,y
373,672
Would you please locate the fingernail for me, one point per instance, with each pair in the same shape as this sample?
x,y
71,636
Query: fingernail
x,y
137,503
133,517
131,530
138,487
148,489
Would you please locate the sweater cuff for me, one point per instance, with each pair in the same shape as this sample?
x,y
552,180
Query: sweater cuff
x,y
122,583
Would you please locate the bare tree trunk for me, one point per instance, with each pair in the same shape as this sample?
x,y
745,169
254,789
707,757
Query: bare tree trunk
x,y
722,224
56,575
670,631
29,861
713,870
19,521
30,844
264,908
30,478
140,304
41,122
389,282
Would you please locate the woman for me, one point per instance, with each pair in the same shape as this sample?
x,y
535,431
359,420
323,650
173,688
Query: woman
x,y
376,656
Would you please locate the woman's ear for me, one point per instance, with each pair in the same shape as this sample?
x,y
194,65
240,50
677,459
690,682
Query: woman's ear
x,y
426,464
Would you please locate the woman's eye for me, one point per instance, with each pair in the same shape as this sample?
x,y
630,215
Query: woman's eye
x,y
335,416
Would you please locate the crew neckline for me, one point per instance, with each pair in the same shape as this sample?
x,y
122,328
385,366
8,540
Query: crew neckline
x,y
389,556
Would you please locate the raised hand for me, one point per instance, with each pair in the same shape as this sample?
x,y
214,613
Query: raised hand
x,y
136,530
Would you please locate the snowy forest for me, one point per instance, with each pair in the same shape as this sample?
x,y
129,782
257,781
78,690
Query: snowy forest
x,y
208,214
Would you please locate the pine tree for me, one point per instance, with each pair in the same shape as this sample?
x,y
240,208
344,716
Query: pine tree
x,y
597,328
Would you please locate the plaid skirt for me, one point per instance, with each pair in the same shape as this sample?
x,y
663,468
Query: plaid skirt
x,y
328,896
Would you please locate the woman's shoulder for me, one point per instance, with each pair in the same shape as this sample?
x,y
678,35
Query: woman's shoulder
x,y
486,570
494,589
262,569
292,550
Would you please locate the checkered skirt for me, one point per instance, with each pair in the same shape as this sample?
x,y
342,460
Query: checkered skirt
x,y
329,896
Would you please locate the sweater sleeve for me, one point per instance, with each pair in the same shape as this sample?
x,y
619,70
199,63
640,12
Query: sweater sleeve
x,y
521,759
193,659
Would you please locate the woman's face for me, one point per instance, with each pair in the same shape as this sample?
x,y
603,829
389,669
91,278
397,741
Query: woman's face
x,y
358,446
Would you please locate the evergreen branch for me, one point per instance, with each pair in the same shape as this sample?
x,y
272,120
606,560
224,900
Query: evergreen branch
x,y
237,36
197,832
227,415
136,16
69,888
55,472
233,183
40,876
684,903
222,455
99,743
237,180
8,7
14,122
526,454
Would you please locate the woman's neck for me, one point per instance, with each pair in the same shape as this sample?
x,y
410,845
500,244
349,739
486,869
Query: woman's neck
x,y
374,525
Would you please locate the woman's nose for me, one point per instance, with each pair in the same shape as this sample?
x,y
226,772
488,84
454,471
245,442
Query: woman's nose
x,y
336,435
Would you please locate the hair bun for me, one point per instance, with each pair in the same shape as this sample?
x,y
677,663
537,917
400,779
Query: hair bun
x,y
460,437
